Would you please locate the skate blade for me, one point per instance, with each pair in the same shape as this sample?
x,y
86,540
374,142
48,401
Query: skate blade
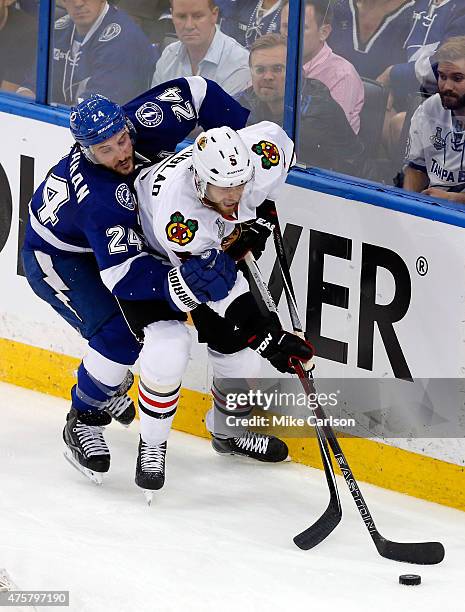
x,y
95,477
125,425
6,583
247,459
148,494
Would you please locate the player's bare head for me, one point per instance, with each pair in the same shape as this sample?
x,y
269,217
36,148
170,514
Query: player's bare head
x,y
450,58
104,133
194,22
222,167
267,62
84,13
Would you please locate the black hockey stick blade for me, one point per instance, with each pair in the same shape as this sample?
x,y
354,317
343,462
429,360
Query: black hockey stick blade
x,y
331,517
421,553
316,533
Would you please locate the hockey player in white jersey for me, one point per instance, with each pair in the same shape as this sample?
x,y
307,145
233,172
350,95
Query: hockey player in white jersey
x,y
190,204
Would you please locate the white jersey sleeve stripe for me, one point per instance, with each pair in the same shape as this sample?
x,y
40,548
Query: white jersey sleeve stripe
x,y
47,235
198,87
112,276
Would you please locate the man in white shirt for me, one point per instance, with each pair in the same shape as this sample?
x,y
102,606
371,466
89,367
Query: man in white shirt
x,y
202,49
436,147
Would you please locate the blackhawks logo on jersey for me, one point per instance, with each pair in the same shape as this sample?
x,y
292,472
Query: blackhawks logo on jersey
x,y
269,153
180,231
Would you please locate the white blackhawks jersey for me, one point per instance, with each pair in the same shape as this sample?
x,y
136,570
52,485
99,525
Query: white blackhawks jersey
x,y
175,222
436,145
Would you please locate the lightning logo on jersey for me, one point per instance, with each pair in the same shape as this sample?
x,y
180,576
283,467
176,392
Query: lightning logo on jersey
x,y
149,114
180,231
52,279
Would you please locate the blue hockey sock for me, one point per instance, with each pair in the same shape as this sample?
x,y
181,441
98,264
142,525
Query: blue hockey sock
x,y
89,393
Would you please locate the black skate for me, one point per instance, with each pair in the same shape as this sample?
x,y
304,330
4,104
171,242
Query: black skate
x,y
86,448
150,468
257,446
121,407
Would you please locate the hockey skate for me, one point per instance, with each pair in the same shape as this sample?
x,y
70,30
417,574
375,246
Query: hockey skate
x,y
86,448
150,468
250,444
6,585
121,407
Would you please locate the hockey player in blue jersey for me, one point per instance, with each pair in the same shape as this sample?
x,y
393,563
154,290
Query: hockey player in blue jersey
x,y
83,244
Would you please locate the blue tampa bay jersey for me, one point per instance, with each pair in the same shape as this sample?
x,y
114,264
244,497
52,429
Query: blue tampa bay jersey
x,y
433,23
83,207
246,21
369,57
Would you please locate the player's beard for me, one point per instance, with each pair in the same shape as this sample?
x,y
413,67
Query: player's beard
x,y
229,212
127,167
452,101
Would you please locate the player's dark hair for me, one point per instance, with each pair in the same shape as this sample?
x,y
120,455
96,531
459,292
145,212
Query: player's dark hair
x,y
324,11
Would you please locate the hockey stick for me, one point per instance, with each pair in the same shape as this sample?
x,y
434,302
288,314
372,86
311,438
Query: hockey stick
x,y
331,517
422,553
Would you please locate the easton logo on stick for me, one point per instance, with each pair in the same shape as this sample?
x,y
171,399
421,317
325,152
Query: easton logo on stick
x,y
180,231
269,153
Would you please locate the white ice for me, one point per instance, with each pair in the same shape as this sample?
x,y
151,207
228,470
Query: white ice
x,y
217,537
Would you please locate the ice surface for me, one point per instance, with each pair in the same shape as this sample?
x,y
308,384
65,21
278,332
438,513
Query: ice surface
x,y
217,537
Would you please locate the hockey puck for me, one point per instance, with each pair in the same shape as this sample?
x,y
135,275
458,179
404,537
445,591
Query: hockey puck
x,y
410,579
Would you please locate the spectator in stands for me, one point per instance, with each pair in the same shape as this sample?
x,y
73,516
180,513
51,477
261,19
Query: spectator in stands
x,y
434,21
320,63
147,14
16,60
143,12
202,49
436,148
247,20
99,49
326,138
371,34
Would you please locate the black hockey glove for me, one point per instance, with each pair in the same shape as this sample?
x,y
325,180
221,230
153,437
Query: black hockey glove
x,y
254,234
279,347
